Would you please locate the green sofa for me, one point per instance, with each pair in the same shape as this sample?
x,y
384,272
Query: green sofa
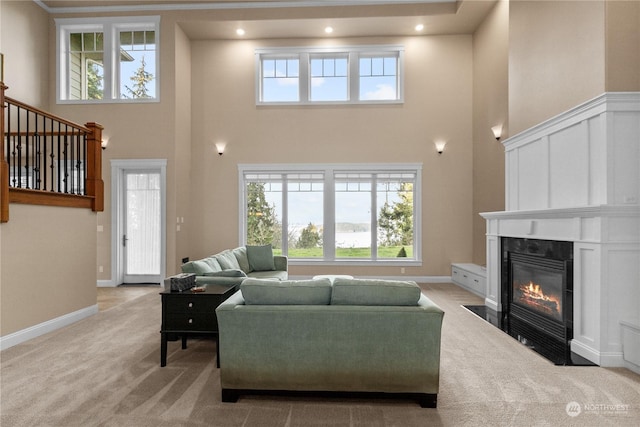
x,y
349,336
231,266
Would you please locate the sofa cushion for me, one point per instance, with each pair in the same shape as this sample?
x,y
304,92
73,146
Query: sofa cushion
x,y
374,292
227,260
260,258
200,267
271,274
213,263
286,292
226,273
241,256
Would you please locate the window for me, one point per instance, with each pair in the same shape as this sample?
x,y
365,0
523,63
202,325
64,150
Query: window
x,y
345,75
328,213
329,78
280,78
108,59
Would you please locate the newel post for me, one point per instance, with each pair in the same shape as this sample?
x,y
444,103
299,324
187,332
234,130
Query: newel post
x,y
4,166
94,184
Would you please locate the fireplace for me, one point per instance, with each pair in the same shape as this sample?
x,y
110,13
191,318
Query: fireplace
x,y
537,295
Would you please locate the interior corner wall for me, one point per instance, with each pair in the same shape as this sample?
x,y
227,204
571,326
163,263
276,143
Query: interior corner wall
x,y
623,46
182,150
556,58
490,108
438,105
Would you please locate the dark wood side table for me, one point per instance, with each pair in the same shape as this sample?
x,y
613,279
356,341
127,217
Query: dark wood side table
x,y
191,313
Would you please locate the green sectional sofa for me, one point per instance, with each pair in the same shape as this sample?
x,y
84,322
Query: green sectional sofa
x,y
349,336
231,266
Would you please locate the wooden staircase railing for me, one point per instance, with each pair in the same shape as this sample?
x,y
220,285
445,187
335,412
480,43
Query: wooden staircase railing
x,y
48,160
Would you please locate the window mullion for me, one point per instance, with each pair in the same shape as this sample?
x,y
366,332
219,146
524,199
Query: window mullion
x,y
110,50
285,216
354,76
305,77
329,231
374,217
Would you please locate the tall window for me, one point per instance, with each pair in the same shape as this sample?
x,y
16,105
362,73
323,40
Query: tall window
x,y
340,75
108,59
350,213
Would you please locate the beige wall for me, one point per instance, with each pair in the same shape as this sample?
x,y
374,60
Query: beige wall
x,y
24,29
556,58
438,84
45,273
622,46
490,108
137,131
182,185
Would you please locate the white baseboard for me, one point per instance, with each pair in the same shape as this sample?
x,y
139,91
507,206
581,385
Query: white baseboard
x,y
106,284
46,327
417,279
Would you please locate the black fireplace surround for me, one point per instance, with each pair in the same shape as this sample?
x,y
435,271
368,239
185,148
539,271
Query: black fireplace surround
x,y
537,295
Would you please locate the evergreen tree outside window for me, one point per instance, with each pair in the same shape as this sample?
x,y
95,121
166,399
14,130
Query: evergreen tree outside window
x,y
334,213
108,59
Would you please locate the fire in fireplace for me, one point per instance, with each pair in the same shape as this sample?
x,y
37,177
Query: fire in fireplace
x,y
538,290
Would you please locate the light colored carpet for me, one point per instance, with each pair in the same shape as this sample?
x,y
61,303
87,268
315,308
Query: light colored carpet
x,y
105,371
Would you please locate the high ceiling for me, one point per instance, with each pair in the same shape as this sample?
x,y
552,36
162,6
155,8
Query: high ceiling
x,y
219,19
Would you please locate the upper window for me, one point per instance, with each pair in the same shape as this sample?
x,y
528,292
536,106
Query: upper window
x,y
333,213
108,59
345,75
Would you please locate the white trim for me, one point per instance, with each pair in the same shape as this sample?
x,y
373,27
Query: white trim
x,y
417,279
106,284
228,5
110,27
45,327
118,166
328,169
304,54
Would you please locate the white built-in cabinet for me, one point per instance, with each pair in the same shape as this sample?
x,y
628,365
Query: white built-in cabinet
x,y
472,277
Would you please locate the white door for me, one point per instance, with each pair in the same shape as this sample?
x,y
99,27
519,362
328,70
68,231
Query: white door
x,y
141,239
138,236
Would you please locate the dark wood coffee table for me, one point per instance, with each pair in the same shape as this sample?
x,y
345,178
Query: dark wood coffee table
x,y
191,313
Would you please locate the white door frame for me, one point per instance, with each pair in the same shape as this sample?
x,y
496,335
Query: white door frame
x,y
118,167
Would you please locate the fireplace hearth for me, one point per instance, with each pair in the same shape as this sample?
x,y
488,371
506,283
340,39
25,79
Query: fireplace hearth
x,y
537,295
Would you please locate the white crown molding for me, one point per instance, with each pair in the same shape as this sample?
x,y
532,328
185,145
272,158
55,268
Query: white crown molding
x,y
228,6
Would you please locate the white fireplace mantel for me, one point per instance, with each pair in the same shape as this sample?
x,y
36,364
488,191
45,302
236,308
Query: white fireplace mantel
x,y
576,178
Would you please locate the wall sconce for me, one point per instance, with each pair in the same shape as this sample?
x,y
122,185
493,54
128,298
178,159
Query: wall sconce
x,y
497,131
104,143
440,146
220,146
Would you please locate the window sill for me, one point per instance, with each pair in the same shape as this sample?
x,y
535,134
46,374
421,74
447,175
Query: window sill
x,y
358,262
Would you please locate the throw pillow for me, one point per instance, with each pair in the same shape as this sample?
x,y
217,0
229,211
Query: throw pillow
x,y
286,292
260,258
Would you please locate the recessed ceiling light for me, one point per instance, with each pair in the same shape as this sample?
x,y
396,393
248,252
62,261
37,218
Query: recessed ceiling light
x,y
328,30
240,32
419,27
